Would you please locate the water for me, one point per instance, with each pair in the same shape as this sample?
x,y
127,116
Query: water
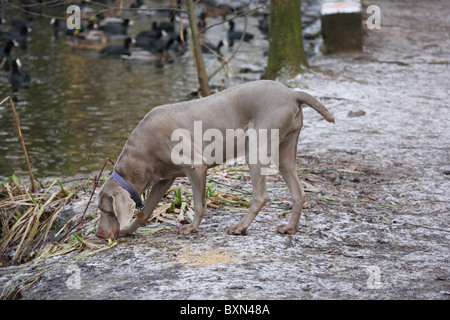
x,y
79,108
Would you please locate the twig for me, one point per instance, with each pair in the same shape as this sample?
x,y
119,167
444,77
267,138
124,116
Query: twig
x,y
234,188
89,202
19,131
426,227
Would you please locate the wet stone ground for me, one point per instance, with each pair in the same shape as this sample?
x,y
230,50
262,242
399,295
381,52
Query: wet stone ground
x,y
376,225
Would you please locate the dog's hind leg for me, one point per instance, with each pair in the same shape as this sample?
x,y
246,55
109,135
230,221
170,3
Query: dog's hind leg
x,y
259,199
288,169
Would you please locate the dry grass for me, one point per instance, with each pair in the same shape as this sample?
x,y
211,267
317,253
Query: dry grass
x,y
27,218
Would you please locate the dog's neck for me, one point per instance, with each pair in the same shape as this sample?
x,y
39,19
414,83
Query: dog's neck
x,y
135,177
133,194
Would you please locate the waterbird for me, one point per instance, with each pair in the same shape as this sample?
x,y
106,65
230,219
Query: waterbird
x,y
93,40
117,50
17,78
145,56
146,39
5,55
201,21
18,23
20,36
209,48
237,35
177,42
116,27
58,26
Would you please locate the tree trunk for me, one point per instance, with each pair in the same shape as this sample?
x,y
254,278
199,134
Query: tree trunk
x,y
286,53
201,71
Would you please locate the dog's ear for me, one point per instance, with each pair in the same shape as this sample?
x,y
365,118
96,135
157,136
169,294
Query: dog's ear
x,y
123,207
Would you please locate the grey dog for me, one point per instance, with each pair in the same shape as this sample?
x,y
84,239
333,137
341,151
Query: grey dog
x,y
147,161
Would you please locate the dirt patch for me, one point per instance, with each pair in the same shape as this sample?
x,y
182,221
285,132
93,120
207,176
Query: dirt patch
x,y
376,222
204,257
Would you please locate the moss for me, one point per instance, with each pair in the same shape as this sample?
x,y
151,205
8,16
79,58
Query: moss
x,y
286,53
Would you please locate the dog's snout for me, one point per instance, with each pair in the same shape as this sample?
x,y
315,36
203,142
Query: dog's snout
x,y
107,236
99,234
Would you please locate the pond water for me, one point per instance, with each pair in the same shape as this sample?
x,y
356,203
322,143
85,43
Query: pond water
x,y
79,108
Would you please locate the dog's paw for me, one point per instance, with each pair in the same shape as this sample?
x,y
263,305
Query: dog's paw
x,y
286,229
236,230
125,232
187,229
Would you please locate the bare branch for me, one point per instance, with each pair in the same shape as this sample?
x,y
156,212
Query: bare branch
x,y
246,13
106,8
224,63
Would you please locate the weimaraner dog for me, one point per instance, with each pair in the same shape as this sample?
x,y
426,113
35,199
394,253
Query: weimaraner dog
x,y
151,156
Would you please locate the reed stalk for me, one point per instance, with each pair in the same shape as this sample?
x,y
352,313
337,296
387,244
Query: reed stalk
x,y
22,143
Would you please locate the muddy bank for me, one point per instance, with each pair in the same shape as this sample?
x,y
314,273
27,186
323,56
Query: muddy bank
x,y
376,225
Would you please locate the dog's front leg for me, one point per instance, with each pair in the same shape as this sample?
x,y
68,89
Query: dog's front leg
x,y
197,177
159,189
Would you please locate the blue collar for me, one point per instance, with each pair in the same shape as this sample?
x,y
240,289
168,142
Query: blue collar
x,y
134,195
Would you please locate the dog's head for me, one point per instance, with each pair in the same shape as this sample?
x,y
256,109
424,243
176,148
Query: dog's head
x,y
116,209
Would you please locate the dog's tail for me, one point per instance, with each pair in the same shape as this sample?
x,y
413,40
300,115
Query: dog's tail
x,y
303,97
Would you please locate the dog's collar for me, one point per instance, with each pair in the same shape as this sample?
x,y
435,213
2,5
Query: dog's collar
x,y
134,195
